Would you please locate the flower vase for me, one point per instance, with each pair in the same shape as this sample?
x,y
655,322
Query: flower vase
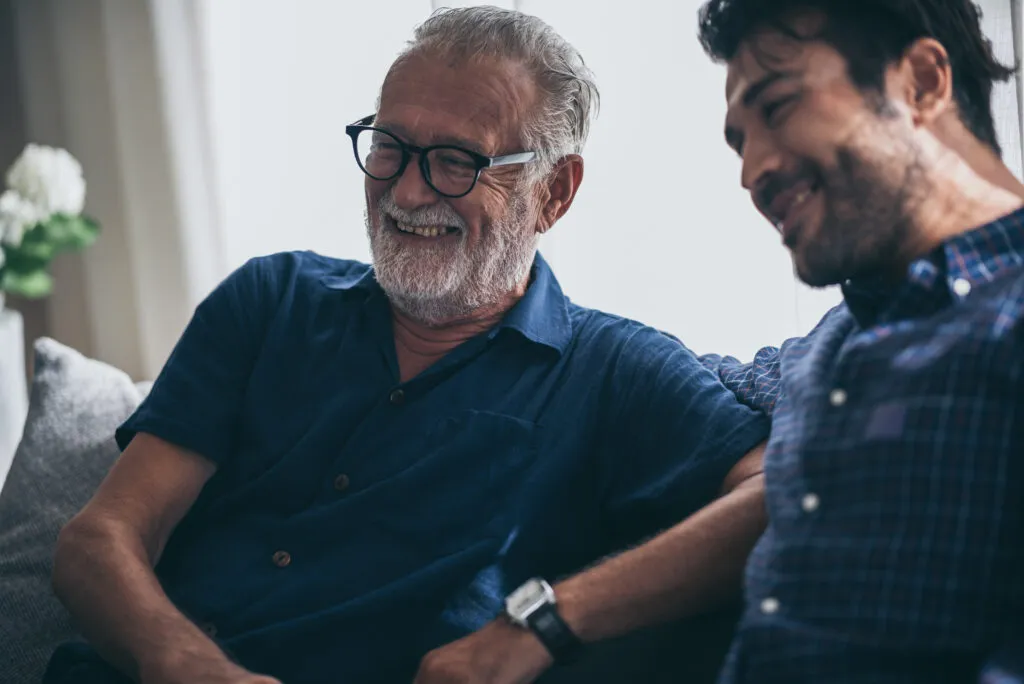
x,y
13,385
40,216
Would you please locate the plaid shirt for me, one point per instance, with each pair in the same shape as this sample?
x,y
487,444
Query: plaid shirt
x,y
895,477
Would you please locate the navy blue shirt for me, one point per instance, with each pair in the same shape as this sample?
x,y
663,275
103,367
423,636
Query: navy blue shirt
x,y
895,478
356,522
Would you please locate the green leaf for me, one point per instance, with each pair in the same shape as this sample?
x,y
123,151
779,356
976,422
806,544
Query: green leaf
x,y
68,233
30,255
32,285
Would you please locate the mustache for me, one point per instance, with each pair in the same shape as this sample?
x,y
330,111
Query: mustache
x,y
440,214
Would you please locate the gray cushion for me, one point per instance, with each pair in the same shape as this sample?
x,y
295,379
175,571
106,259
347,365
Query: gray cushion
x,y
67,448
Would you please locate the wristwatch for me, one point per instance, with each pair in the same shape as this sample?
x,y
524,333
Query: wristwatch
x,y
533,606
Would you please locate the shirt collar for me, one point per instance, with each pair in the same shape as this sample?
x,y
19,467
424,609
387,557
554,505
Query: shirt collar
x,y
982,255
949,273
359,277
541,316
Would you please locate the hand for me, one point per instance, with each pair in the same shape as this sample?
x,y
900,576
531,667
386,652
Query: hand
x,y
500,653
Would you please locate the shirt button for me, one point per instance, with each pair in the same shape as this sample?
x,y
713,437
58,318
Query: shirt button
x,y
341,482
397,397
770,606
810,503
962,287
837,397
282,559
209,629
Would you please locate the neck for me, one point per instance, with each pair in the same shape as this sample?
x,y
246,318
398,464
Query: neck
x,y
964,197
419,345
981,159
992,169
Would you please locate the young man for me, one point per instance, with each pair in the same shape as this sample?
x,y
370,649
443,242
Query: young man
x,y
895,471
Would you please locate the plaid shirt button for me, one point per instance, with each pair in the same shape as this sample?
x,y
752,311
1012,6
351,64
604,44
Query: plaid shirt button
x,y
810,503
962,287
770,606
837,397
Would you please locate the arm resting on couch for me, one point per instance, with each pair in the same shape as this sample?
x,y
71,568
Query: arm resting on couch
x,y
104,560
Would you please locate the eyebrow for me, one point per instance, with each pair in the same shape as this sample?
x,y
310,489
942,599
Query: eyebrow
x,y
441,140
754,91
732,136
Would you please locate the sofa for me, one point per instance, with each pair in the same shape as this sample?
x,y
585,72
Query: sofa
x,y
67,448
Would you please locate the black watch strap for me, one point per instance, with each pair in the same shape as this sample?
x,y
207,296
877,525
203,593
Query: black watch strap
x,y
552,631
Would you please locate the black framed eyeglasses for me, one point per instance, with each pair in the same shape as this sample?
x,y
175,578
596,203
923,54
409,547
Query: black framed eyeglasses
x,y
450,170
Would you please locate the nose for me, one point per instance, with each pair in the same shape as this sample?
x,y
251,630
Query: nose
x,y
760,161
411,190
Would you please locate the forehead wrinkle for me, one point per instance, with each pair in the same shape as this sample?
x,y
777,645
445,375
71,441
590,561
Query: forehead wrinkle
x,y
487,93
509,96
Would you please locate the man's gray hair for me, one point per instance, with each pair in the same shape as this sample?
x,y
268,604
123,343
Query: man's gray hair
x,y
570,99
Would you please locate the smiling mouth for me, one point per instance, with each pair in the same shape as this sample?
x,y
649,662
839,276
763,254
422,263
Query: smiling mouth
x,y
423,231
786,210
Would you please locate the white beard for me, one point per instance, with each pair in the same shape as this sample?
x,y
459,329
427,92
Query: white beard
x,y
442,280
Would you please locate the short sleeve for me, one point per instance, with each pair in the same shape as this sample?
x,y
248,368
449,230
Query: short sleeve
x,y
674,433
196,400
756,384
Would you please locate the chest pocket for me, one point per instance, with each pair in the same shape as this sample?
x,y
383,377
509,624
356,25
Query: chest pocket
x,y
463,489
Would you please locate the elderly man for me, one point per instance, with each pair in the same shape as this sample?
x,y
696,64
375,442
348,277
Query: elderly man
x,y
895,471
343,468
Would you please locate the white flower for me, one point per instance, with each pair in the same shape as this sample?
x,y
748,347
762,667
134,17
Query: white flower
x,y
50,179
16,216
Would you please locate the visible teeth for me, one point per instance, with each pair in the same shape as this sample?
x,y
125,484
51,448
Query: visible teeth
x,y
798,199
422,231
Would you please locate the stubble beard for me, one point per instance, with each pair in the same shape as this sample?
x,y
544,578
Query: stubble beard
x,y
868,224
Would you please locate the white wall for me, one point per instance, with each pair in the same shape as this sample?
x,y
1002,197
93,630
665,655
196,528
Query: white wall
x,y
661,230
674,243
999,24
1017,7
284,79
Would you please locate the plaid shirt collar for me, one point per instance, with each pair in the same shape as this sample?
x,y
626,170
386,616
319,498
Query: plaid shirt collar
x,y
944,276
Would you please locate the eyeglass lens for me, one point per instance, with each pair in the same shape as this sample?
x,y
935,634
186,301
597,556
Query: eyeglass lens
x,y
450,171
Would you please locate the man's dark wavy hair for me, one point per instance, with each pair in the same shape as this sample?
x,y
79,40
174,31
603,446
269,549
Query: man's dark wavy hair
x,y
872,35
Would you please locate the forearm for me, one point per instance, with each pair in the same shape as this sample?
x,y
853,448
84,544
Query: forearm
x,y
104,577
694,567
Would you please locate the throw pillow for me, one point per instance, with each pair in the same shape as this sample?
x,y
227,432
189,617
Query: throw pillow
x,y
68,446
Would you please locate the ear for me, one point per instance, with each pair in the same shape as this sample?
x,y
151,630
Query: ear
x,y
562,185
927,80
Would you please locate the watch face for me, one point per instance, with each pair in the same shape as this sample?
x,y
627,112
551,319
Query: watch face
x,y
522,602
